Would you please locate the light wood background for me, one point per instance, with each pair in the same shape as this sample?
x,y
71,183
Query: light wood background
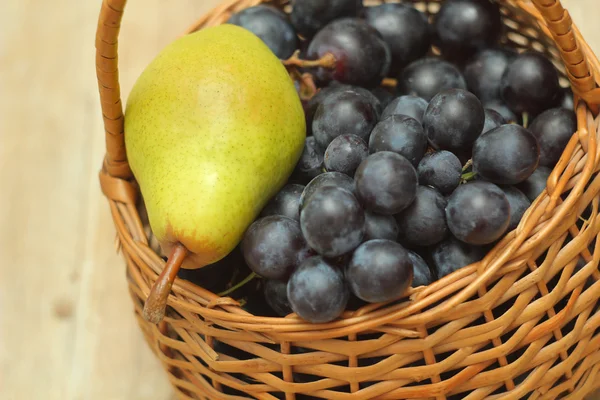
x,y
66,325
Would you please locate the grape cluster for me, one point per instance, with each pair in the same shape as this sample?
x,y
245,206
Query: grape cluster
x,y
400,185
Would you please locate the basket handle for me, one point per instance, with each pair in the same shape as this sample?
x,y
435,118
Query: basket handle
x,y
555,19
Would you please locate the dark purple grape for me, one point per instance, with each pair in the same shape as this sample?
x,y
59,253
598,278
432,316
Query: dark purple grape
x,y
386,183
404,29
346,112
272,246
519,203
464,26
379,226
478,213
530,84
285,203
412,106
423,223
310,164
451,255
384,96
332,221
553,129
271,26
362,57
453,120
506,155
380,270
503,110
484,71
441,170
566,99
428,76
493,119
336,179
345,153
309,16
275,293
400,134
421,272
533,186
317,291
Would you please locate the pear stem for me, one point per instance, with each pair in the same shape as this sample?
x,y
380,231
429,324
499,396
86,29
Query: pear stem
x,y
239,285
328,61
156,304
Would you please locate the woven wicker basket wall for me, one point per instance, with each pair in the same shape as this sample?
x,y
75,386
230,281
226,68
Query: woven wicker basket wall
x,y
518,324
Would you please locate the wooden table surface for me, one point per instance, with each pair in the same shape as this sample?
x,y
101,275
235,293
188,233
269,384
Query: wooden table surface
x,y
66,325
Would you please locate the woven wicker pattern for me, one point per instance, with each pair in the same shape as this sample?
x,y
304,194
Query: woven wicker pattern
x,y
518,324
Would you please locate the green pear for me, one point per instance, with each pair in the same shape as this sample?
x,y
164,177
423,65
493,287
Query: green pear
x,y
213,129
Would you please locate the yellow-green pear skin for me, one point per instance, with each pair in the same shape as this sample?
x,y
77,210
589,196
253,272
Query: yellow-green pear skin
x,y
213,129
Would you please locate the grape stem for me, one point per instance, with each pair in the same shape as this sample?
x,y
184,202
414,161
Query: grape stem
x,y
467,165
239,285
308,88
525,119
389,82
328,61
156,304
469,176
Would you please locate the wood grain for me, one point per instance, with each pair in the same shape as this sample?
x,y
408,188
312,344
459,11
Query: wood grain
x,y
66,325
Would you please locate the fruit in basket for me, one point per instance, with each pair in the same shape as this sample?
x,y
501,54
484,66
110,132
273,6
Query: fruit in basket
x,y
478,213
187,130
311,162
326,179
362,57
345,153
493,119
380,270
404,28
379,226
441,170
400,134
409,105
465,26
285,203
533,186
553,129
519,203
309,16
271,25
530,84
423,223
506,155
451,255
317,291
483,72
275,293
428,76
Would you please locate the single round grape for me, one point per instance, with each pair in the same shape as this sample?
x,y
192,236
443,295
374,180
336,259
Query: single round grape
x,y
553,129
451,255
533,186
384,96
380,270
428,76
362,57
501,108
530,83
346,112
386,183
310,164
310,16
275,293
272,246
345,153
404,28
379,226
271,26
506,155
566,99
285,203
493,119
332,221
421,272
453,120
409,105
317,291
336,179
400,134
484,71
465,26
519,203
441,170
478,213
423,223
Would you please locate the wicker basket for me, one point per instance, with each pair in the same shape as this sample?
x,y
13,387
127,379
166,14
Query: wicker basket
x,y
518,324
